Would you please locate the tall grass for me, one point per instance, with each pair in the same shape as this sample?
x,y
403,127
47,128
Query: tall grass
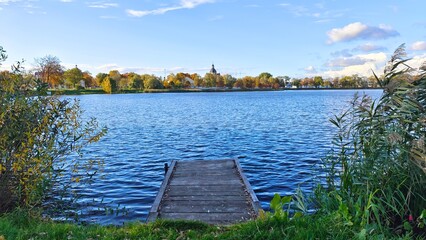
x,y
376,171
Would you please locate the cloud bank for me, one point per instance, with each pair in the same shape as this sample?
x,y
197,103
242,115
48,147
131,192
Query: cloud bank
x,y
418,46
183,4
358,30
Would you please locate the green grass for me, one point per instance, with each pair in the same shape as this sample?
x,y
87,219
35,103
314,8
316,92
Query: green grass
x,y
22,225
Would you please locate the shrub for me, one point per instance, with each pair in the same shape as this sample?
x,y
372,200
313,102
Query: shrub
x,y
37,133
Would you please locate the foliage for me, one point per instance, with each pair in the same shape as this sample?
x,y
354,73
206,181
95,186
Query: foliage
x,y
24,225
376,173
50,70
152,83
73,76
109,85
37,132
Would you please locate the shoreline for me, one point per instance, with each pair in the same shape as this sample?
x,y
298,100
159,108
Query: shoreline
x,y
67,92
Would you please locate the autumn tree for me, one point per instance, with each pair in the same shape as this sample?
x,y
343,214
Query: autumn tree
x,y
89,81
262,81
307,82
115,76
198,80
152,82
100,77
73,76
49,70
109,85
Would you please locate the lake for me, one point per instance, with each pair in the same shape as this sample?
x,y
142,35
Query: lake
x,y
278,138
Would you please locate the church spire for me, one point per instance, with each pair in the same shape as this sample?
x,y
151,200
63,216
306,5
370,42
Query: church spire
x,y
213,70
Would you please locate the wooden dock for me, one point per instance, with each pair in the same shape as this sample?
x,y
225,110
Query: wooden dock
x,y
211,191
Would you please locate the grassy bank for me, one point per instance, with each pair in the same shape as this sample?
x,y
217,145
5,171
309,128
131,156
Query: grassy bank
x,y
20,225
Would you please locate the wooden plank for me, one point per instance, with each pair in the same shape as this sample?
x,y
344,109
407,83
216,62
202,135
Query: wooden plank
x,y
213,191
173,192
153,213
204,207
194,189
207,197
213,218
189,181
255,201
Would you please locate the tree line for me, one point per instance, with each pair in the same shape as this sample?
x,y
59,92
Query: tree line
x,y
49,70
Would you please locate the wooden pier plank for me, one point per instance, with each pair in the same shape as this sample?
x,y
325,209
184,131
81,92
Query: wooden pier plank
x,y
213,191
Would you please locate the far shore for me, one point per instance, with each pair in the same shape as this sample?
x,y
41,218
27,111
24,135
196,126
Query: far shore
x,y
187,90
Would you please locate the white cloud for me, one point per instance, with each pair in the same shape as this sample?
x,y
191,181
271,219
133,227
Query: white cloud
x,y
418,46
319,13
368,47
417,61
347,61
362,64
310,69
358,30
183,4
102,4
7,2
66,1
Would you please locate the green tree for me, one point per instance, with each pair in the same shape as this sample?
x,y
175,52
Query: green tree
x,y
152,82
296,82
229,81
318,81
347,82
136,81
210,80
73,76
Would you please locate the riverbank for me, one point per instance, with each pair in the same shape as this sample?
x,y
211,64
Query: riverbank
x,y
21,225
189,90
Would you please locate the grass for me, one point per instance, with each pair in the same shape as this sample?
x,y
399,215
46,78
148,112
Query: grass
x,y
23,225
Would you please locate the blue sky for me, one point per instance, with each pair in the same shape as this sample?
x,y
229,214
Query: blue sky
x,y
241,37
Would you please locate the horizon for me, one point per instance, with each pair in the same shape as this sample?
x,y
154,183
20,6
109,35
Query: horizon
x,y
241,38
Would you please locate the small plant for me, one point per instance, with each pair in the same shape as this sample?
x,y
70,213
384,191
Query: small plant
x,y
287,207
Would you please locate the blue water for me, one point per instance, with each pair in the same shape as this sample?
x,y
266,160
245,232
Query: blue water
x,y
278,137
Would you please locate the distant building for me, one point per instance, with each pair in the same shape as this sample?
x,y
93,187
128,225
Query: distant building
x,y
213,70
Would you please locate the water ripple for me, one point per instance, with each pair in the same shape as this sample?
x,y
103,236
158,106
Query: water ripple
x,y
277,136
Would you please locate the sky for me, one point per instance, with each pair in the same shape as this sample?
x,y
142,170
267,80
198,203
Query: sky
x,y
240,37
